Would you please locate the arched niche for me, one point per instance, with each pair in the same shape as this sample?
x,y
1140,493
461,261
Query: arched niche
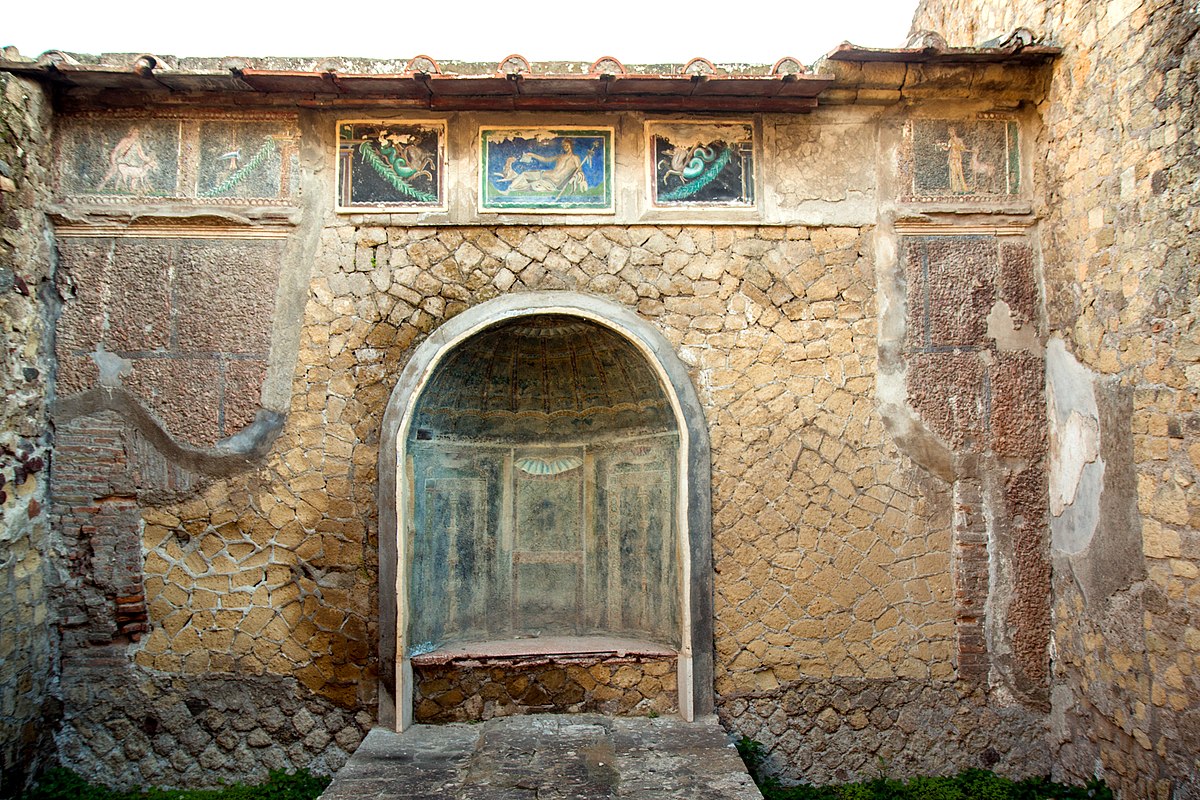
x,y
443,421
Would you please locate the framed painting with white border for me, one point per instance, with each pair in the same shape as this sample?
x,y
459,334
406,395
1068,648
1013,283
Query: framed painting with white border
x,y
391,165
546,170
701,164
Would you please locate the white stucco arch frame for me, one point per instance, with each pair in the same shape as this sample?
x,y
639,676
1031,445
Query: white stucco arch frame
x,y
694,495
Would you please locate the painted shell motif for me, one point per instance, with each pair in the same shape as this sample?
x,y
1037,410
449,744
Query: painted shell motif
x,y
547,466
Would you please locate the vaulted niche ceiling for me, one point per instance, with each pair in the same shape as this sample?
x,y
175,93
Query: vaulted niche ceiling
x,y
544,463
565,378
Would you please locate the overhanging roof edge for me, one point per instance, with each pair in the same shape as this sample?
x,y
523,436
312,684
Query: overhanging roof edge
x,y
574,91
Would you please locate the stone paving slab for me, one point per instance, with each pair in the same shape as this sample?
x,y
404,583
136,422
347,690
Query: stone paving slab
x,y
548,757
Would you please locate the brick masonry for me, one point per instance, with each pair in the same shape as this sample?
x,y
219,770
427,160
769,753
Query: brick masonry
x,y
96,511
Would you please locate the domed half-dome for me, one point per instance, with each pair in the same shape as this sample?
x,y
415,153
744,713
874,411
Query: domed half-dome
x,y
547,376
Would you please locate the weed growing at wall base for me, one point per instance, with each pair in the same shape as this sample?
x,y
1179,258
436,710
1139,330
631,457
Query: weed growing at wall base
x,y
63,784
971,784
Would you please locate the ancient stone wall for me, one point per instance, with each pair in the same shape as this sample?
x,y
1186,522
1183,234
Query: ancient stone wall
x,y
476,690
832,548
29,644
204,712
878,519
1117,166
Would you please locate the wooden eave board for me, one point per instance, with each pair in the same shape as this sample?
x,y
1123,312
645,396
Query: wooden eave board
x,y
399,87
281,81
556,85
482,86
1033,54
650,85
93,77
203,82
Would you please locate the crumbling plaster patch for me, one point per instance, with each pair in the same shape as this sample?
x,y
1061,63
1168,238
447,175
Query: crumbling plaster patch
x,y
111,366
844,191
891,381
1011,335
1076,468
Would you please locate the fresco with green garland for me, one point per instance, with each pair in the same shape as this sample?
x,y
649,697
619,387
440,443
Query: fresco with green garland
x,y
112,158
390,164
704,163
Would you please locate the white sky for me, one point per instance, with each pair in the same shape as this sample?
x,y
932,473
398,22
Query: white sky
x,y
634,31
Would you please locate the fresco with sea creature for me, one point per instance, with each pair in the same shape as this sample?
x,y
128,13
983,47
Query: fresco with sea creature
x,y
390,164
702,164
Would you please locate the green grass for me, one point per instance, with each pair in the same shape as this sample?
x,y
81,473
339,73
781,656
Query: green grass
x,y
63,784
972,784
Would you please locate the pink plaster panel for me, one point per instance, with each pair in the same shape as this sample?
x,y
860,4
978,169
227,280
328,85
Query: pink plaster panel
x,y
136,296
243,391
184,393
224,294
947,390
1018,418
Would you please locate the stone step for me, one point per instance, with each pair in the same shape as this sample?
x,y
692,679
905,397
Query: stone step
x,y
548,757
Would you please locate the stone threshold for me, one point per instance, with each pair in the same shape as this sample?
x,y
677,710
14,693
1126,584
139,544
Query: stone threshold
x,y
548,757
